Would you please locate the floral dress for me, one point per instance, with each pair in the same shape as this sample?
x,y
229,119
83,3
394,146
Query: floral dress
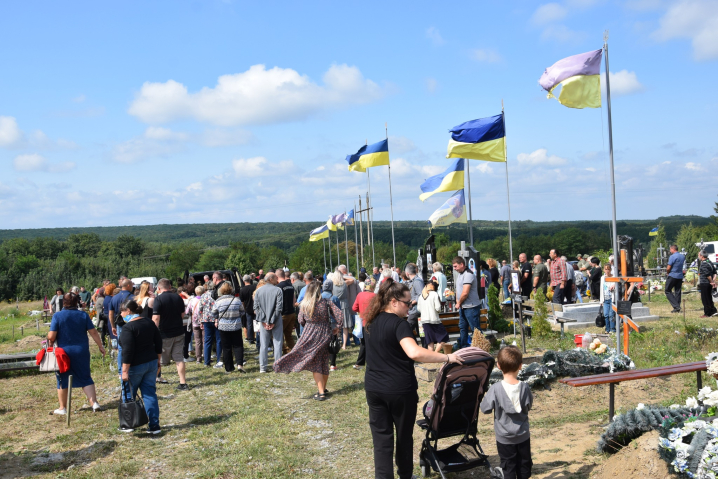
x,y
311,353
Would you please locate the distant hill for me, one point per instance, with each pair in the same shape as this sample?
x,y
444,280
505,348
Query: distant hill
x,y
411,233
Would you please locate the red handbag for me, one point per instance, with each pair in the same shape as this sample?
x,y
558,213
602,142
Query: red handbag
x,y
53,359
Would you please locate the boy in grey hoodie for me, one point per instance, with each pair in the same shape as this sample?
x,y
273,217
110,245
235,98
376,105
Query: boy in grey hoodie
x,y
511,399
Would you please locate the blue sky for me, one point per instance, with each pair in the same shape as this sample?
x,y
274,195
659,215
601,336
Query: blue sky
x,y
224,111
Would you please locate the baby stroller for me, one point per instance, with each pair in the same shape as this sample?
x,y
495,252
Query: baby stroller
x,y
453,410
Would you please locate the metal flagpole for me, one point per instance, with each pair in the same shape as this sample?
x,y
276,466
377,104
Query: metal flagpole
x,y
391,202
324,248
370,214
329,235
356,239
346,243
361,232
508,196
471,225
613,189
338,260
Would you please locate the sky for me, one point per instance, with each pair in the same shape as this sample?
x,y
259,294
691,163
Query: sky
x,y
134,113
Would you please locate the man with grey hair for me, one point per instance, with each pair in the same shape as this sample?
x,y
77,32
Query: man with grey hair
x,y
268,303
416,286
706,284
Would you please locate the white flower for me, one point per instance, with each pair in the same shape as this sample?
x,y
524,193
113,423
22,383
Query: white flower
x,y
640,406
682,451
665,443
703,393
698,424
691,402
676,434
679,465
674,406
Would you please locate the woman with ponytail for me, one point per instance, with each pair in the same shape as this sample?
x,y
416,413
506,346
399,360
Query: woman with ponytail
x,y
311,353
390,383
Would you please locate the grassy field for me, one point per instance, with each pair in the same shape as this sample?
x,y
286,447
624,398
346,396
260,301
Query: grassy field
x,y
267,426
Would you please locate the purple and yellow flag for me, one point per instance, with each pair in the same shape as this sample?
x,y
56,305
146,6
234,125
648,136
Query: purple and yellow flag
x,y
580,80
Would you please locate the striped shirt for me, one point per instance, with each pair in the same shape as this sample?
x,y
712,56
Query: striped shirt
x,y
229,311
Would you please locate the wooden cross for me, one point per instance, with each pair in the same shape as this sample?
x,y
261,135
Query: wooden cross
x,y
625,279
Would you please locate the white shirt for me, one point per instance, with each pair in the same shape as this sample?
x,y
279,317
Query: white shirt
x,y
512,391
429,308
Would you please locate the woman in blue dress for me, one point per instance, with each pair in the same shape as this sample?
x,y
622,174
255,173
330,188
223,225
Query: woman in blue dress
x,y
68,330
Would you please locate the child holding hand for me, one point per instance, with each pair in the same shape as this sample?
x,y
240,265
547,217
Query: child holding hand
x,y
511,399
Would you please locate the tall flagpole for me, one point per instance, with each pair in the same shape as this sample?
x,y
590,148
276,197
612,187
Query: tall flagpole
x,y
338,260
508,196
324,248
613,186
370,215
361,232
346,243
356,238
329,235
471,225
391,203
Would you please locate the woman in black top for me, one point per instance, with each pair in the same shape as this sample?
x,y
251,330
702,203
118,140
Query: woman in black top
x,y
390,383
494,270
141,349
594,276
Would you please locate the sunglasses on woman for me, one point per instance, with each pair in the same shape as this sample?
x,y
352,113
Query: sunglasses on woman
x,y
407,303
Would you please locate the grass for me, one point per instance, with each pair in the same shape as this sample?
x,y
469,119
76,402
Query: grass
x,y
12,315
267,426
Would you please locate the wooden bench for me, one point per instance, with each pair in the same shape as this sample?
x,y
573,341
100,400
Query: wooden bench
x,y
553,309
613,378
450,320
17,362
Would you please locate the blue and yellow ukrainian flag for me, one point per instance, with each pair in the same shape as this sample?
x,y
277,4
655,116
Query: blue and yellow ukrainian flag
x,y
653,232
319,233
336,222
450,180
482,139
369,156
453,211
350,218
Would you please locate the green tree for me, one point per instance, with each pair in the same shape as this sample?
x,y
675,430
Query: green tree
x,y
213,259
539,322
84,244
183,258
237,259
128,245
308,256
687,238
496,316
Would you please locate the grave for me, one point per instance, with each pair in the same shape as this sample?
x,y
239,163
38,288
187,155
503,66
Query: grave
x,y
585,314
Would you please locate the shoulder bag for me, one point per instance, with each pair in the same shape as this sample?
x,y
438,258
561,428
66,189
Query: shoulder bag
x,y
600,319
47,360
334,344
132,413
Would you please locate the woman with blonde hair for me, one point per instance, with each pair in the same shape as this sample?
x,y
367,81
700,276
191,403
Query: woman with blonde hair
x,y
311,353
143,300
340,291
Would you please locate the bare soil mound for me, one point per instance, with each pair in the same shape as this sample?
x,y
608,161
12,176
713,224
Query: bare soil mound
x,y
638,460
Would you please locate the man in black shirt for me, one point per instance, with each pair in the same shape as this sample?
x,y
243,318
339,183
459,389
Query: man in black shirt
x,y
167,312
288,315
245,296
526,274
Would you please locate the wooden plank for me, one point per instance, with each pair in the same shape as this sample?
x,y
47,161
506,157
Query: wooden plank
x,y
19,365
635,374
17,357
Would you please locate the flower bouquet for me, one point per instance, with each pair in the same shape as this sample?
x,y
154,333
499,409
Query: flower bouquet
x,y
598,347
712,364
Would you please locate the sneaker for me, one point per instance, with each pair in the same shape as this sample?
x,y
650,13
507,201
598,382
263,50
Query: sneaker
x,y
96,407
240,369
60,412
190,359
183,387
125,429
714,314
332,368
219,365
161,380
244,363
154,429
357,367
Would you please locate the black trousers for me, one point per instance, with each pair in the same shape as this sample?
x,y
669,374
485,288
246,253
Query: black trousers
x,y
232,343
568,292
557,295
187,340
387,412
361,359
709,308
515,459
673,292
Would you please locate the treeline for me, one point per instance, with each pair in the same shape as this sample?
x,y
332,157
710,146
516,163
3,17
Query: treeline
x,y
33,267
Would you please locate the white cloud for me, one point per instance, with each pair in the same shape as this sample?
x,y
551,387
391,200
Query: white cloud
x,y
259,166
257,96
433,34
548,13
694,166
79,99
219,137
561,33
540,157
159,133
142,148
693,19
401,144
35,162
623,83
431,84
10,134
485,55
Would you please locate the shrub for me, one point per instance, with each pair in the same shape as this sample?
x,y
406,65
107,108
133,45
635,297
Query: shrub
x,y
539,323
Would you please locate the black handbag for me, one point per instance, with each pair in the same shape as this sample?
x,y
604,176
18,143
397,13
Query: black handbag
x,y
132,413
334,345
600,319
